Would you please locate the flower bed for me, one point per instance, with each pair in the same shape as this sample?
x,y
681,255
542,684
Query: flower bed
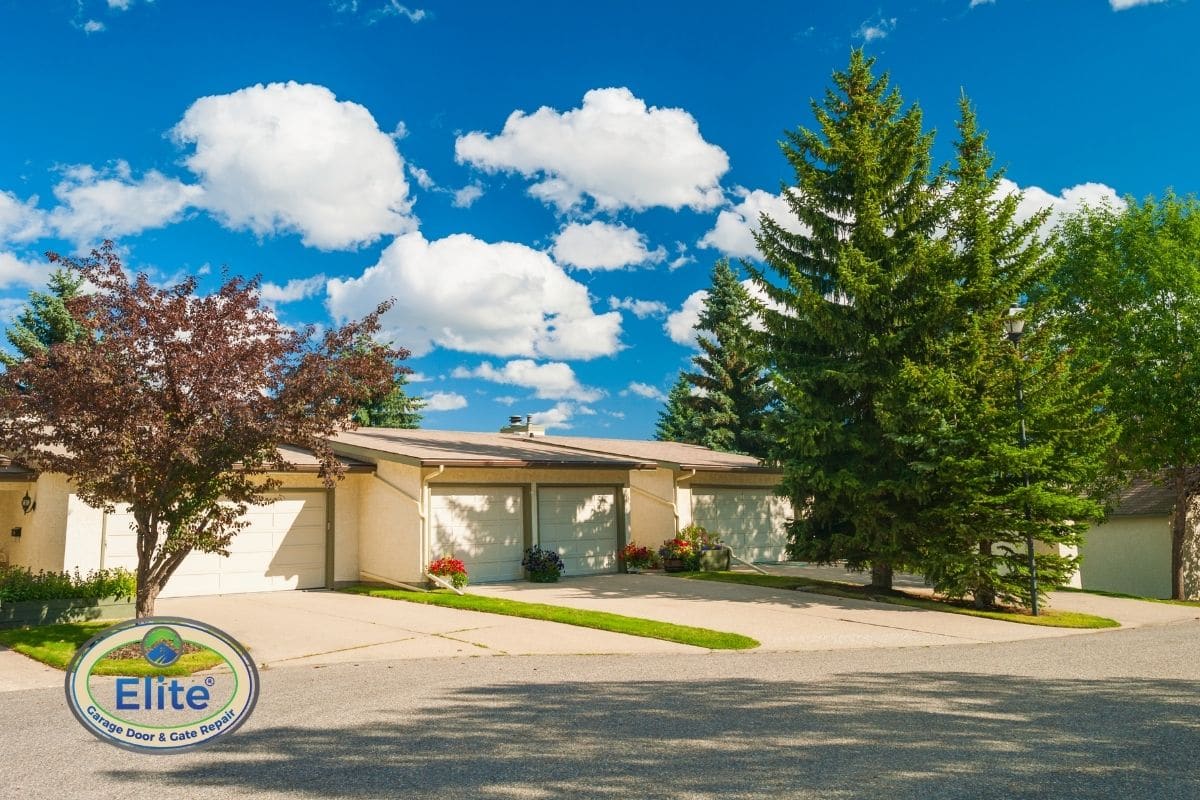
x,y
452,569
542,566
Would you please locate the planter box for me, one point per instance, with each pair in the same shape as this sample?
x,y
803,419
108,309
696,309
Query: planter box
x,y
674,565
714,560
542,577
50,612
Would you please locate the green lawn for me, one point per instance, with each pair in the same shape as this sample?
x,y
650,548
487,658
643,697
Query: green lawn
x,y
55,645
600,620
854,591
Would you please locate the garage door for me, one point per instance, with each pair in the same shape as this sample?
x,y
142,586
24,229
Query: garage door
x,y
485,527
282,548
581,524
751,521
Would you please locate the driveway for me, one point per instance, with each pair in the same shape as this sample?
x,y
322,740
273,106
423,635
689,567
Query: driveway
x,y
790,620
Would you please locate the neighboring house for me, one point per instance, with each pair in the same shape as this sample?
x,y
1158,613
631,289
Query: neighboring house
x,y
1131,551
412,495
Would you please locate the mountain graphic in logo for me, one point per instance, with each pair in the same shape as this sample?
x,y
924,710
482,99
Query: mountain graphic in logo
x,y
162,646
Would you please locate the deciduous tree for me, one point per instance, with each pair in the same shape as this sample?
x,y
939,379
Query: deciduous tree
x,y
177,403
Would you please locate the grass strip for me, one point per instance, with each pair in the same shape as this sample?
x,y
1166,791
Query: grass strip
x,y
55,646
599,620
854,591
1123,596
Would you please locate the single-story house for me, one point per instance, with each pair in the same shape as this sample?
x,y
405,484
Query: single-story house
x,y
410,496
1131,551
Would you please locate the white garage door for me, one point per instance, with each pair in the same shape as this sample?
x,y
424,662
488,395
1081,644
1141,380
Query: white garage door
x,y
484,527
751,521
581,524
282,548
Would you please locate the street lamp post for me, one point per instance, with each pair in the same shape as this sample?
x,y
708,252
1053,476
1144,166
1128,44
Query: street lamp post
x,y
1014,326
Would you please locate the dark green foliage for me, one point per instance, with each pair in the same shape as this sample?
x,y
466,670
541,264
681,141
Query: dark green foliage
x,y
955,418
1128,286
396,409
45,321
847,298
18,584
730,391
677,422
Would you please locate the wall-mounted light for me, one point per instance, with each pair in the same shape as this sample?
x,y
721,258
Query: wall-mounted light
x,y
28,503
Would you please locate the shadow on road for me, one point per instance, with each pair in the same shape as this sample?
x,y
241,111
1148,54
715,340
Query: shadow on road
x,y
912,735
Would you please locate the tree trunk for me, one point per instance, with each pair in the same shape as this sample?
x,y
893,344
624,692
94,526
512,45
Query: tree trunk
x,y
147,593
984,593
881,575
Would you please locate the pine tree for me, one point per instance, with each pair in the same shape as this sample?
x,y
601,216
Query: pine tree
x,y
677,421
846,305
731,393
396,409
45,321
956,419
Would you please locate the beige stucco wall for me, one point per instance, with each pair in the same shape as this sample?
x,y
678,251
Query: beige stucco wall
x,y
43,531
389,524
1128,554
651,506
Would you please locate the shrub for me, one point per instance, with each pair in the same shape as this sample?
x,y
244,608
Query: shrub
x,y
19,583
450,568
542,565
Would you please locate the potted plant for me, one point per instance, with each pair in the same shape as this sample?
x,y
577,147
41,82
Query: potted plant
x,y
638,557
452,569
678,555
542,566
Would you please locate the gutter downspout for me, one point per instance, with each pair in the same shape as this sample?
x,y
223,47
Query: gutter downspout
x,y
422,514
675,506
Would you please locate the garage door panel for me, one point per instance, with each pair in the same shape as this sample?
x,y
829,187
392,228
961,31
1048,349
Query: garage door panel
x,y
580,524
752,522
484,527
282,547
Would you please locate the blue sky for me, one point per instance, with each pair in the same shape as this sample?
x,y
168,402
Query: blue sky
x,y
543,187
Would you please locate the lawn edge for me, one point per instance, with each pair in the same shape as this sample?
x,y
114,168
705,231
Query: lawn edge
x,y
704,638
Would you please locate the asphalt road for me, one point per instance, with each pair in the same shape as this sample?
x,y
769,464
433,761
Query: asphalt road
x,y
1110,715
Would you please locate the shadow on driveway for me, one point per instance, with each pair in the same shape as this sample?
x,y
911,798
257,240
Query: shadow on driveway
x,y
911,735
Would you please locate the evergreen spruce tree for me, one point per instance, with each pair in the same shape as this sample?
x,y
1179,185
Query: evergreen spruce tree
x,y
677,421
396,409
45,320
848,305
955,419
732,389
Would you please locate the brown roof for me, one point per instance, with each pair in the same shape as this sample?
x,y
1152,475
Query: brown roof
x,y
1142,497
467,449
682,456
304,461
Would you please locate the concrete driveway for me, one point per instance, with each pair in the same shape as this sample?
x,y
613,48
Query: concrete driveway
x,y
790,620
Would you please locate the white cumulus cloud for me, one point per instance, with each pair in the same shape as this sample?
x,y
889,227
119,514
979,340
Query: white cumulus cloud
x,y
557,417
681,324
111,203
1122,5
467,195
294,290
614,149
878,28
443,401
291,157
602,245
639,308
20,220
644,390
462,293
17,271
1069,200
733,233
551,381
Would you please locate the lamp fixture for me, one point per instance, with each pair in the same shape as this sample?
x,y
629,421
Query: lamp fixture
x,y
28,503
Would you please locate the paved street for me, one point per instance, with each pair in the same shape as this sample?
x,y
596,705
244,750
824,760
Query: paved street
x,y
1113,714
